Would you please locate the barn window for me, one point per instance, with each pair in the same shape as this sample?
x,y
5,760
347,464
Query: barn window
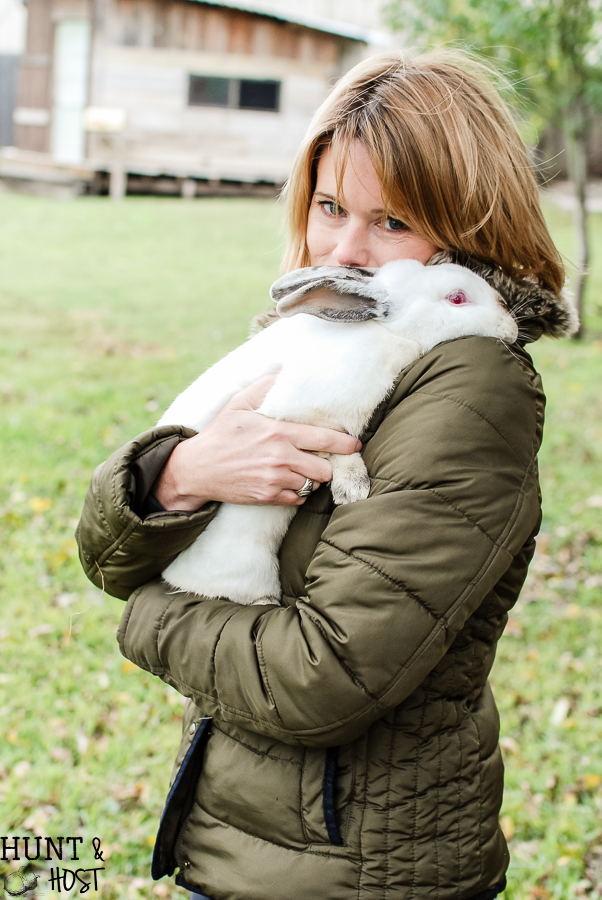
x,y
208,91
259,94
236,93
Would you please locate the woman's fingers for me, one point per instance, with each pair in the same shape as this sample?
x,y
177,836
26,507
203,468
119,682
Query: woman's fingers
x,y
305,437
300,482
306,465
321,440
244,457
253,396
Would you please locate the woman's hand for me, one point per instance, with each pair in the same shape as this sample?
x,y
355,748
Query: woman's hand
x,y
244,457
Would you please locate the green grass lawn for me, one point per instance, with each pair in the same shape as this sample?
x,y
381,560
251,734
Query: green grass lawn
x,y
107,310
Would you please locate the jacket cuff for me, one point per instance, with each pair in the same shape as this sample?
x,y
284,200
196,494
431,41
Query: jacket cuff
x,y
119,550
151,505
146,468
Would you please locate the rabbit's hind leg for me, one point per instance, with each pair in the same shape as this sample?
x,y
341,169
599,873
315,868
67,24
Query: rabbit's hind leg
x,y
350,480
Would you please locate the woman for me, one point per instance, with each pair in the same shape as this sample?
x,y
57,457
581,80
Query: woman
x,y
345,744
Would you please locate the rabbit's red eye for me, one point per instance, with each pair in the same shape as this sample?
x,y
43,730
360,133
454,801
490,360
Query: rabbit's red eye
x,y
457,298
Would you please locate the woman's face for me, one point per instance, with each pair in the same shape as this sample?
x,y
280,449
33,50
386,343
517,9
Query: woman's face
x,y
356,235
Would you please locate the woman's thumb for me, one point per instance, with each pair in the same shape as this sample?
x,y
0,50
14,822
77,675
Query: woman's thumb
x,y
253,396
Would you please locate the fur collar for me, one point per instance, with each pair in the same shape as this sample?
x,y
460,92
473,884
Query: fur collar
x,y
537,310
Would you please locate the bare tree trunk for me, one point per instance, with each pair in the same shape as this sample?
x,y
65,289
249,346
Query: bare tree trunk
x,y
576,138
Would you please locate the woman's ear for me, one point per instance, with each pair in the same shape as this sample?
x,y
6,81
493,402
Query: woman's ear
x,y
329,292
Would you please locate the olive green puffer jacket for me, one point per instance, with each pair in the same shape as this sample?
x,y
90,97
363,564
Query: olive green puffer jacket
x,y
345,745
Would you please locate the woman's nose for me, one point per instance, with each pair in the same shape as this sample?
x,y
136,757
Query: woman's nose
x,y
352,247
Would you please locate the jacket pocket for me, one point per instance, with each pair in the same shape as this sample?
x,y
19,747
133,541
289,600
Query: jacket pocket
x,y
271,790
326,794
254,784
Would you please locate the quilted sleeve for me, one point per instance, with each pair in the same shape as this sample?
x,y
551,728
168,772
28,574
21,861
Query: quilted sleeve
x,y
118,550
454,499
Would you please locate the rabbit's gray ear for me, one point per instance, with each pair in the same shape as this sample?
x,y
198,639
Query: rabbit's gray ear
x,y
331,292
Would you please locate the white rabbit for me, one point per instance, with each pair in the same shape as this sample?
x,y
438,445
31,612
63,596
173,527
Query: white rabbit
x,y
344,336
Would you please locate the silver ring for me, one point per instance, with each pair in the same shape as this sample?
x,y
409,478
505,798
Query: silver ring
x,y
307,488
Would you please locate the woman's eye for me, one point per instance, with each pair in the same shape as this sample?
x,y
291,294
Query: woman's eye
x,y
395,224
331,208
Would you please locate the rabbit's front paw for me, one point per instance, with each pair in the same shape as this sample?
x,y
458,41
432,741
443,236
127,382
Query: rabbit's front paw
x,y
350,480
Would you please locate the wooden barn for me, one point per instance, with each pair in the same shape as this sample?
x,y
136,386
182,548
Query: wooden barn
x,y
185,95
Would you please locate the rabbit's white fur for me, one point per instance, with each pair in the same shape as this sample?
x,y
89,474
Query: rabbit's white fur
x,y
331,372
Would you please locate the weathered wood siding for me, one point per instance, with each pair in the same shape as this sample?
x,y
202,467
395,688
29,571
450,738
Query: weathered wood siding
x,y
151,47
142,55
35,75
193,26
9,67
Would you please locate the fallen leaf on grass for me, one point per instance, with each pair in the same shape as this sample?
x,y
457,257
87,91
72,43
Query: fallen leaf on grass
x,y
508,744
566,661
586,784
513,629
593,864
507,826
582,888
560,711
61,754
54,560
101,744
59,726
125,791
591,780
109,849
66,599
130,795
37,821
82,742
571,851
123,697
21,769
39,630
525,850
40,504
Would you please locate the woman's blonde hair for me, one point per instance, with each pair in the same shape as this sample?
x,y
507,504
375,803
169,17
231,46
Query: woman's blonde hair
x,y
448,156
